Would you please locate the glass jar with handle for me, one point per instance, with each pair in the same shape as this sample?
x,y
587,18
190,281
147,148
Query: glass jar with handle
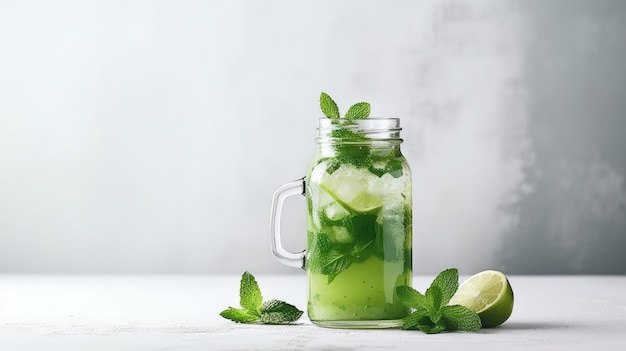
x,y
359,224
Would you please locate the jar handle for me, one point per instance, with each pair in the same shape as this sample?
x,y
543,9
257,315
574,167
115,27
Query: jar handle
x,y
297,187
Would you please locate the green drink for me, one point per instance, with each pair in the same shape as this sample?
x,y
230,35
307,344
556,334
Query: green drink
x,y
358,192
359,231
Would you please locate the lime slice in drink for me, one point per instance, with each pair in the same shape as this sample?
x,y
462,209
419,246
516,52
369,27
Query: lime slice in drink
x,y
489,294
352,197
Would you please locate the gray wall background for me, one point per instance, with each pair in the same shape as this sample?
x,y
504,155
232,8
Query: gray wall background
x,y
148,136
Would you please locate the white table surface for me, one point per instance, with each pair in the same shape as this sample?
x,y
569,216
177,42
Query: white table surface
x,y
181,313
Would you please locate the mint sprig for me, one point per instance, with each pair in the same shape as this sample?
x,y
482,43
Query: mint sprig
x,y
432,314
352,144
330,259
360,110
255,311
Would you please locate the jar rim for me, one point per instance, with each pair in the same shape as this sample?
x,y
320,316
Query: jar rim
x,y
372,129
373,121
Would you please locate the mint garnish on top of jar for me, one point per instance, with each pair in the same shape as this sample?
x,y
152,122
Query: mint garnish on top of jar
x,y
360,110
350,142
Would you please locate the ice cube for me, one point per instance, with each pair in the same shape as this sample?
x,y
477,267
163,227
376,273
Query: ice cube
x,y
335,212
340,235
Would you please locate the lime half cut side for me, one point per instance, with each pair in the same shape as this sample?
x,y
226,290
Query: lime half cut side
x,y
352,197
489,294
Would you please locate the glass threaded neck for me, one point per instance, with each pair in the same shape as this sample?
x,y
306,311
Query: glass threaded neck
x,y
358,131
359,137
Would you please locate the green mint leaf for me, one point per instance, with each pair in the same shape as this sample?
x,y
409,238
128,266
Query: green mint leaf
x,y
394,168
323,244
333,165
273,318
423,320
432,315
347,135
364,227
250,296
331,259
459,317
279,312
435,316
412,298
254,310
322,259
448,283
430,328
378,249
360,110
328,106
335,263
412,321
361,251
434,296
239,316
376,171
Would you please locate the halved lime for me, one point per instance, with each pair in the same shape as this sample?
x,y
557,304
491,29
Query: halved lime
x,y
489,294
352,197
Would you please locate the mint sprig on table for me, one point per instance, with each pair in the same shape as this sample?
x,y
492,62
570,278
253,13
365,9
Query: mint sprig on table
x,y
254,310
432,314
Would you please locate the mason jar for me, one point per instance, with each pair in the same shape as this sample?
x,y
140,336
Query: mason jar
x,y
359,224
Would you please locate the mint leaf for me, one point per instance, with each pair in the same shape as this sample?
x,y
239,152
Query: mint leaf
x,y
239,316
423,320
435,315
347,135
332,258
393,167
279,312
323,243
411,297
434,296
448,283
328,106
430,328
364,227
415,319
333,165
360,110
459,317
323,259
254,310
376,171
432,315
361,251
350,146
250,296
334,263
